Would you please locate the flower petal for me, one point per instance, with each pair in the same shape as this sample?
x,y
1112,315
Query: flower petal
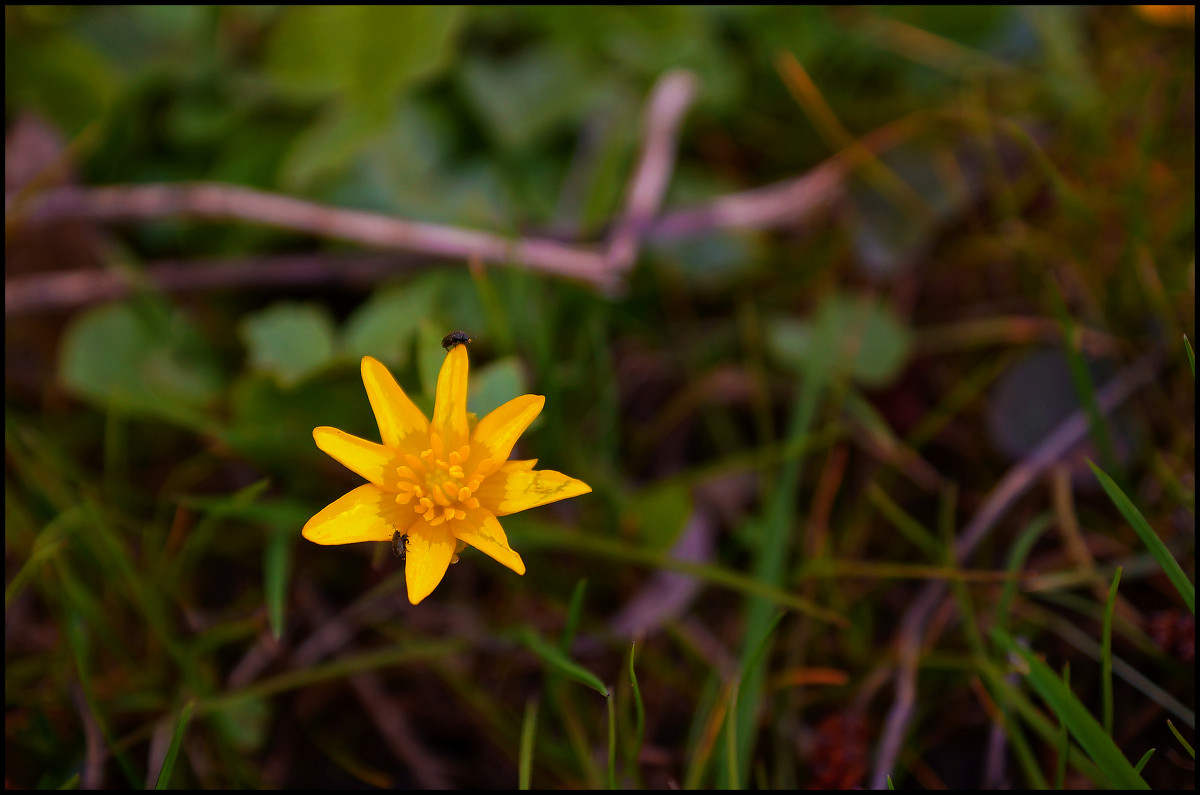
x,y
514,488
373,461
481,530
430,550
397,416
496,433
364,514
450,403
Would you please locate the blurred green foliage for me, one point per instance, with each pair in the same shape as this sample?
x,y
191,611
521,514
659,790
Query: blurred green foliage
x,y
159,456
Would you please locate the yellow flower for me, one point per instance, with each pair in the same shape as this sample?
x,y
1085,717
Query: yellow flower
x,y
442,482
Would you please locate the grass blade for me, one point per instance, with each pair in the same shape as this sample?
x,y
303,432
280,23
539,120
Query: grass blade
x,y
533,534
1187,746
1145,758
639,731
1106,663
528,733
770,564
553,657
1081,378
168,765
612,742
1091,736
1157,548
1016,559
277,558
1191,355
1064,738
573,614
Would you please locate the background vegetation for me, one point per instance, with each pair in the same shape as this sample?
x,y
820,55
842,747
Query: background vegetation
x,y
788,426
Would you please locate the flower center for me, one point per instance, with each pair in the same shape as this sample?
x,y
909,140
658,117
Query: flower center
x,y
438,483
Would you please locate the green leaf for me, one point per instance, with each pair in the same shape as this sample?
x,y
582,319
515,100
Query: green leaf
x,y
130,360
495,384
524,96
659,512
272,424
366,53
322,151
852,336
1074,715
289,341
554,658
1157,548
59,76
244,723
385,325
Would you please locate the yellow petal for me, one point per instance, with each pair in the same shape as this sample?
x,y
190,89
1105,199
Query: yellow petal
x,y
373,461
450,403
364,514
514,488
430,550
481,530
496,433
396,414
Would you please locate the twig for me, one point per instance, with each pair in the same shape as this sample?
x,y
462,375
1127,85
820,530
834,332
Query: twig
x,y
397,732
910,635
393,726
95,751
781,204
669,101
60,290
218,202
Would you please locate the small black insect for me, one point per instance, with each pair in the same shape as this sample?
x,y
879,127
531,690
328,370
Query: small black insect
x,y
455,338
399,544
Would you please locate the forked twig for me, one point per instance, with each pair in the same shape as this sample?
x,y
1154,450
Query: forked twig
x,y
785,203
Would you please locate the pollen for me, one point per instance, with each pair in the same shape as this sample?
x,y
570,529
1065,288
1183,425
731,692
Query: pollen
x,y
441,484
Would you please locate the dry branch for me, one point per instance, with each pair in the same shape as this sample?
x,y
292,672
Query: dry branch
x,y
784,203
